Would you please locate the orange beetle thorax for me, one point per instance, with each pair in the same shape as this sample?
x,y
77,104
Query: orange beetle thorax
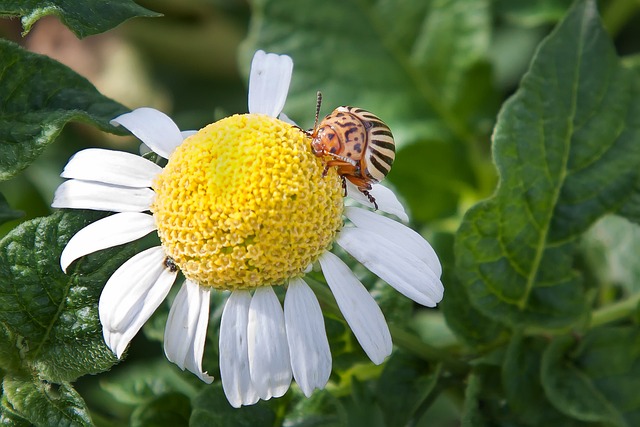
x,y
340,134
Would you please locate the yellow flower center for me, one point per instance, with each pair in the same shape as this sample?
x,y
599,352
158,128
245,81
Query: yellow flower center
x,y
243,203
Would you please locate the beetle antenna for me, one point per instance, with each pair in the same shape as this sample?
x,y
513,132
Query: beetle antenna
x,y
318,104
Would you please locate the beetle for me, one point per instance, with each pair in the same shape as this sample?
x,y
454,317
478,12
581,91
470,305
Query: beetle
x,y
357,142
170,264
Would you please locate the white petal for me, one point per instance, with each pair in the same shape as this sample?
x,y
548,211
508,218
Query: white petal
x,y
196,348
186,330
152,127
234,353
187,133
307,337
78,194
385,198
105,233
398,233
111,167
131,295
286,119
267,344
269,83
358,308
394,264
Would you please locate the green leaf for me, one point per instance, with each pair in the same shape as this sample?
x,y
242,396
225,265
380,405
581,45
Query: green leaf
x,y
396,307
170,410
597,378
362,408
43,403
84,18
38,96
11,350
467,322
503,389
321,409
52,315
211,409
631,208
521,381
6,213
567,150
405,384
139,383
8,417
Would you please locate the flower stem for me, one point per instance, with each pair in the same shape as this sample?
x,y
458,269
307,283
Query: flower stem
x,y
613,312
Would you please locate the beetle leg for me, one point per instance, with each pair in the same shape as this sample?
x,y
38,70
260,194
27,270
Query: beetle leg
x,y
370,197
364,187
344,168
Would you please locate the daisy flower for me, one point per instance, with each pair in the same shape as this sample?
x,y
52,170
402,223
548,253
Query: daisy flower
x,y
241,206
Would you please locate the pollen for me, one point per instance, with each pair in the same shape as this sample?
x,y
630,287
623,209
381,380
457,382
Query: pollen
x,y
243,203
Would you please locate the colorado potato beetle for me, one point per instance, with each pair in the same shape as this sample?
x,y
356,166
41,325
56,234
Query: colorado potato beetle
x,y
357,142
